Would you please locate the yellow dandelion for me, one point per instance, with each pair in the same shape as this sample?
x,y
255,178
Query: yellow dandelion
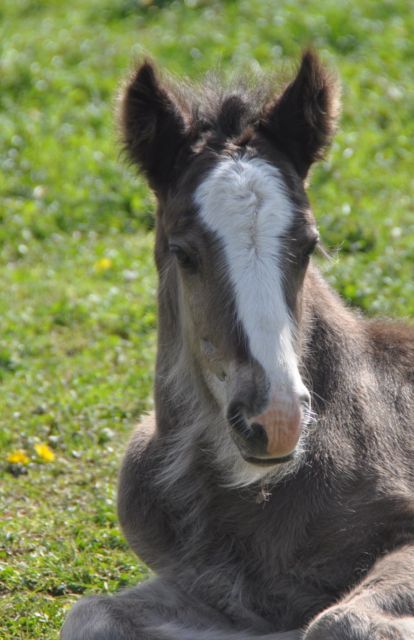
x,y
103,264
44,452
18,457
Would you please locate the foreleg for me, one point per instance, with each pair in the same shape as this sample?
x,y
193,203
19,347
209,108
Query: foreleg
x,y
381,607
154,610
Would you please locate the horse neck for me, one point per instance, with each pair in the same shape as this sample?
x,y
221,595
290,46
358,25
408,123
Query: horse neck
x,y
332,338
323,305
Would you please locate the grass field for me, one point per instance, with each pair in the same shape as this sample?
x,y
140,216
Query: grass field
x,y
77,314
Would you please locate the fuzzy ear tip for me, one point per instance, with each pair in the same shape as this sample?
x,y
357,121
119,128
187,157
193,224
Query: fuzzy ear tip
x,y
144,75
137,88
312,65
320,74
146,69
310,57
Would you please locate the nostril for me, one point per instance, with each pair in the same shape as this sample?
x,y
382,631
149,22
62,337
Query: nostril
x,y
305,398
259,434
250,438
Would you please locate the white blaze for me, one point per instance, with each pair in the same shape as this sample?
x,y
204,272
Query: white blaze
x,y
245,203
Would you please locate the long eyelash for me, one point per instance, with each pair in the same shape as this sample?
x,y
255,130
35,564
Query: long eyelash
x,y
322,251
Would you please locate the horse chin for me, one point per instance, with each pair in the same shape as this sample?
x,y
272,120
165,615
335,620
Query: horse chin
x,y
246,470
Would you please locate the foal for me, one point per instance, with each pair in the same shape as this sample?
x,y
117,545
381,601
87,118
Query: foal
x,y
263,516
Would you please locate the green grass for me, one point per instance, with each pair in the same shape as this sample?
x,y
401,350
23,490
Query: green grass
x,y
76,340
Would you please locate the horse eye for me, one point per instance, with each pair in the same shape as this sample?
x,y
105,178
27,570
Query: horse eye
x,y
310,248
185,260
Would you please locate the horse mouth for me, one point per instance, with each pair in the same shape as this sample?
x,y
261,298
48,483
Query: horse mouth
x,y
268,461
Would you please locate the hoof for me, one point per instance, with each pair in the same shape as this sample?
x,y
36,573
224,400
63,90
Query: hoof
x,y
350,624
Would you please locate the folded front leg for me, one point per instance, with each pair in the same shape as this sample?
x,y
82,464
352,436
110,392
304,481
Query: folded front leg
x,y
155,610
381,607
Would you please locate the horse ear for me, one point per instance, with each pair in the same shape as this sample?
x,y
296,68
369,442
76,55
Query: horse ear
x,y
301,121
152,126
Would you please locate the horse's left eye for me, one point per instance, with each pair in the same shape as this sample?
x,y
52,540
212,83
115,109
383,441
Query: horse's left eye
x,y
185,260
310,248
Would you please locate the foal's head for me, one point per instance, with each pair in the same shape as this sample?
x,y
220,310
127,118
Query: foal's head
x,y
234,234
